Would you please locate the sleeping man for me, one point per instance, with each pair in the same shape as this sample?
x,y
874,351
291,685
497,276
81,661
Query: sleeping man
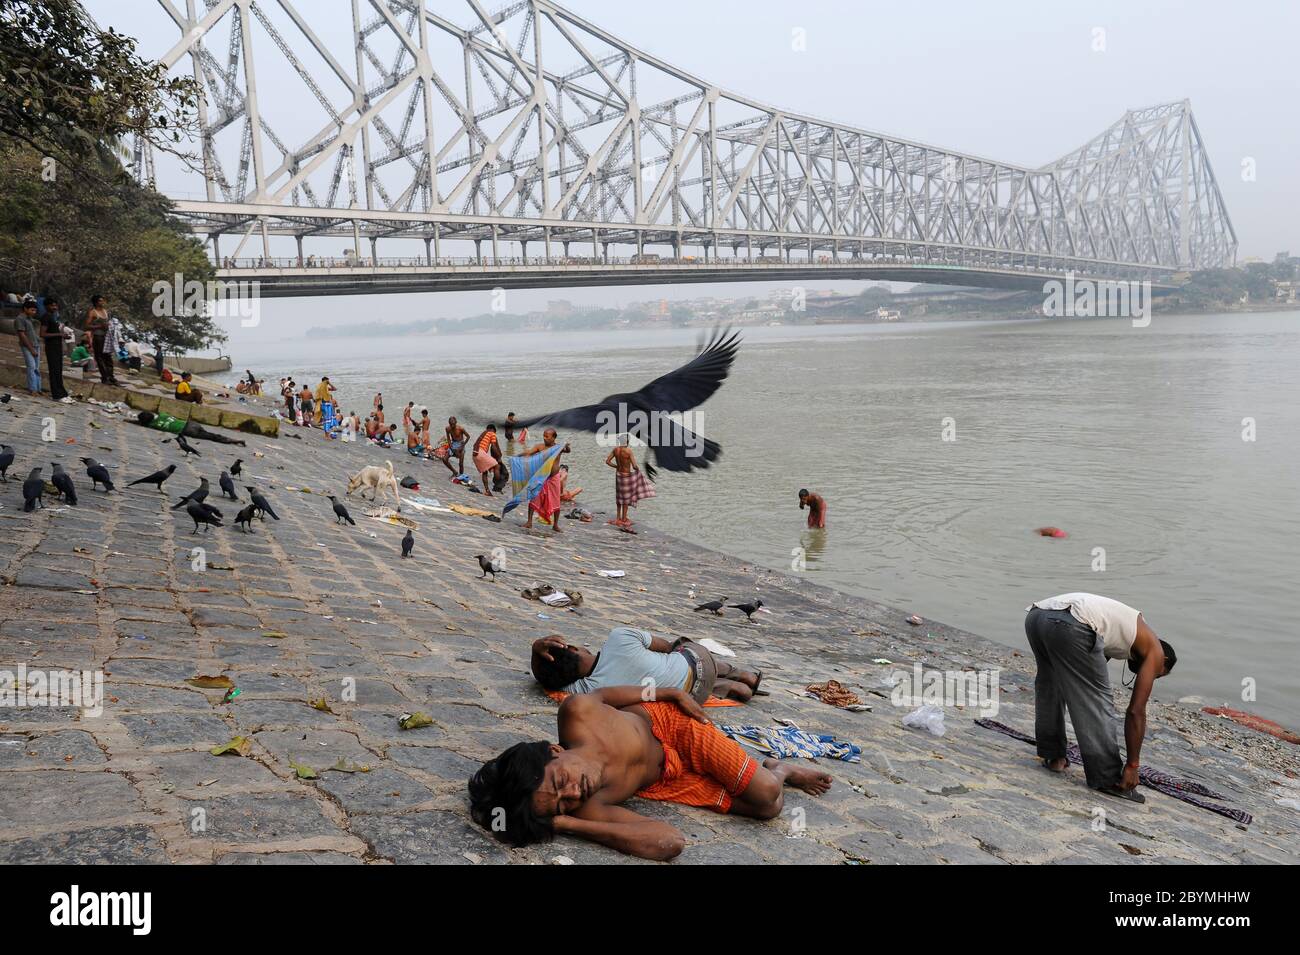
x,y
630,657
620,742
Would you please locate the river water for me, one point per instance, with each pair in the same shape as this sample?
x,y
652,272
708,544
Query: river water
x,y
1130,439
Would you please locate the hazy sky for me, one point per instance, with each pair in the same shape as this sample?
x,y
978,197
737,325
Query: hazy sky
x,y
1015,80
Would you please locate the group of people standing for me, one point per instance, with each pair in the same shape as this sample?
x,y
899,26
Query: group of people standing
x,y
40,327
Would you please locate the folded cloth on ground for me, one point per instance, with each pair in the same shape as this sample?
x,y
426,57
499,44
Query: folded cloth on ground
x,y
1185,789
785,741
834,693
543,591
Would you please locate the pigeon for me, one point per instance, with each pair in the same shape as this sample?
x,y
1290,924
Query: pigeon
x,y
263,506
713,606
748,609
33,488
341,513
644,414
488,566
244,519
62,482
198,495
227,486
6,459
98,474
186,446
236,468
408,542
156,478
201,513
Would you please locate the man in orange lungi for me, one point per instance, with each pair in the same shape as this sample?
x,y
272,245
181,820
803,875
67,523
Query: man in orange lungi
x,y
615,744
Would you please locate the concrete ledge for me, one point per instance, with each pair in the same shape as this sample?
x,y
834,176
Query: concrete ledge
x,y
143,402
250,424
177,409
206,414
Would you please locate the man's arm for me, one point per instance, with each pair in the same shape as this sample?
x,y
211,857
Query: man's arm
x,y
624,830
1135,718
609,460
621,697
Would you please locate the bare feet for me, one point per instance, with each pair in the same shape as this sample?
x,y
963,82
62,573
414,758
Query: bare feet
x,y
810,780
1058,765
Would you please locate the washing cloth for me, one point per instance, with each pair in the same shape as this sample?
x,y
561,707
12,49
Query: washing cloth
x,y
528,473
630,487
786,741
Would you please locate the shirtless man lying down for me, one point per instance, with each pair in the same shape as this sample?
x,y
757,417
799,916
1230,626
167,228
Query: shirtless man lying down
x,y
614,745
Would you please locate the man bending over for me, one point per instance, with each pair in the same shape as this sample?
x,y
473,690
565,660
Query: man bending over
x,y
614,745
632,657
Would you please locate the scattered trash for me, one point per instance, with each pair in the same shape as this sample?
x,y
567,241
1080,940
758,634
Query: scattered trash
x,y
343,766
834,693
302,771
413,721
231,693
883,661
927,717
321,704
561,860
714,647
915,621
612,573
276,634
1050,532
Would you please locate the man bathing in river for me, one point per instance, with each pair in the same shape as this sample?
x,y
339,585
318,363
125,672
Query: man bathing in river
x,y
632,657
614,745
1072,637
630,485
816,505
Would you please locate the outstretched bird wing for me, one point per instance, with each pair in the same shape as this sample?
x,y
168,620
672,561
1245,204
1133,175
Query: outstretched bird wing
x,y
676,448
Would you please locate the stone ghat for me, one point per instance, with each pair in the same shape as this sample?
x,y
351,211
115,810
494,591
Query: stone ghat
x,y
303,610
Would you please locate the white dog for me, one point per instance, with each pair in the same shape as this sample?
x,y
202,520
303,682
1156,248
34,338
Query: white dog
x,y
375,478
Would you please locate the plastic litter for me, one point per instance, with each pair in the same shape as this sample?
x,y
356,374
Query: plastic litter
x,y
927,717
708,643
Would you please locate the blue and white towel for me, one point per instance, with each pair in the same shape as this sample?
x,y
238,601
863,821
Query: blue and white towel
x,y
786,741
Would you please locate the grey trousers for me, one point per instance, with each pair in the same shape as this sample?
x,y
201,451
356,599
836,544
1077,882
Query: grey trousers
x,y
1072,674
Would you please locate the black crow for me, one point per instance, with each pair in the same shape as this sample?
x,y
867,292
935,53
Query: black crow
x,y
63,483
244,518
408,542
644,413
200,513
198,495
488,566
6,459
713,606
156,478
340,512
236,467
33,488
227,486
186,446
263,506
748,609
98,474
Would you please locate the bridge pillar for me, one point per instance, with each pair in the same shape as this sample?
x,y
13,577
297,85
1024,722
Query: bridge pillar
x,y
216,247
299,238
374,250
566,248
595,244
478,251
496,255
523,250
546,243
749,248
428,250
640,243
437,241
604,249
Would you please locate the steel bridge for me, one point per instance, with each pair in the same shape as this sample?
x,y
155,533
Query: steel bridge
x,y
410,145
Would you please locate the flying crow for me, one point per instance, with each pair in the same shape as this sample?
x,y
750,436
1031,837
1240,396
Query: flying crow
x,y
644,414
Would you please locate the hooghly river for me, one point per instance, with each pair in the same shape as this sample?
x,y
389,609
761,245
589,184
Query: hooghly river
x,y
1169,455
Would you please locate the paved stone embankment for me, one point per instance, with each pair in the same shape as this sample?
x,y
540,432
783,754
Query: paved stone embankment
x,y
304,610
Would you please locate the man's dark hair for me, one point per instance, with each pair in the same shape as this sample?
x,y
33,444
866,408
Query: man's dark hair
x,y
51,301
1135,663
803,492
506,785
561,670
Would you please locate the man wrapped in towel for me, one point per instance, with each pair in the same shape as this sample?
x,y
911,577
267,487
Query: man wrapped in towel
x,y
613,745
630,485
530,476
